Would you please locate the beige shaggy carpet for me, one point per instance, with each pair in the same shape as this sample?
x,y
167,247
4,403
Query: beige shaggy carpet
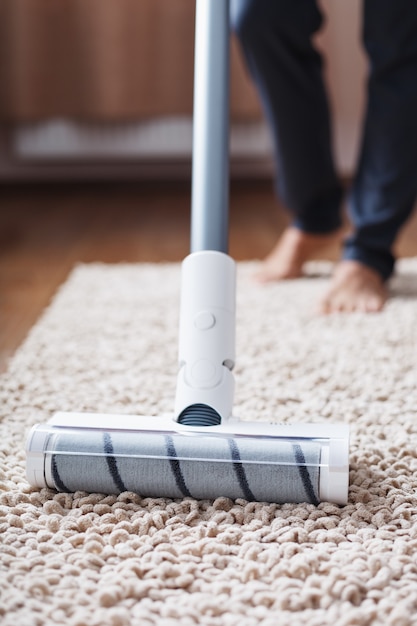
x,y
108,343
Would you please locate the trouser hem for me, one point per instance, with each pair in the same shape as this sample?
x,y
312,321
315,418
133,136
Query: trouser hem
x,y
381,261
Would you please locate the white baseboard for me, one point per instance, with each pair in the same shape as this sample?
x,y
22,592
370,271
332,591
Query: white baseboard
x,y
153,149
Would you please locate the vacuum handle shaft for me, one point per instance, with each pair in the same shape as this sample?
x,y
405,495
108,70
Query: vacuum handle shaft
x,y
210,172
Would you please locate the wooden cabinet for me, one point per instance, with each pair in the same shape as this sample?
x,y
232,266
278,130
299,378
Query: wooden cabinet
x,y
103,60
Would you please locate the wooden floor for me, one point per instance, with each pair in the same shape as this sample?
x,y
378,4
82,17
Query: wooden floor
x,y
46,229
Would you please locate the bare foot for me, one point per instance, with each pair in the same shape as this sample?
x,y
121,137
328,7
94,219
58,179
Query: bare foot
x,y
354,287
292,250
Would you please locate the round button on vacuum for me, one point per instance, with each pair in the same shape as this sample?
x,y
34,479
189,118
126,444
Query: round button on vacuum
x,y
204,320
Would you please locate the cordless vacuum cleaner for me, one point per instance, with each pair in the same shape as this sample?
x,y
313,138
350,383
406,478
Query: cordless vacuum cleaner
x,y
199,451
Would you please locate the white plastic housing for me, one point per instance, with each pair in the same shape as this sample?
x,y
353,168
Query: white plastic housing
x,y
207,332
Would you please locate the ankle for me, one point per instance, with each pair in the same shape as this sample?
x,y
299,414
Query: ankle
x,y
352,267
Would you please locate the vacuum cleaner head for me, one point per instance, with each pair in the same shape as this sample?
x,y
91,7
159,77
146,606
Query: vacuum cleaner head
x,y
158,456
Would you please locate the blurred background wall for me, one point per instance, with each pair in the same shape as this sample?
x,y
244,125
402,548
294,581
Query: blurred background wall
x,y
99,88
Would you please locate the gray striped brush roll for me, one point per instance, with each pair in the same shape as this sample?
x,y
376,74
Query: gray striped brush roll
x,y
173,465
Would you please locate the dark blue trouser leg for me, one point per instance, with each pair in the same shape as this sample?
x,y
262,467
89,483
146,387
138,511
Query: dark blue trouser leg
x,y
385,186
275,36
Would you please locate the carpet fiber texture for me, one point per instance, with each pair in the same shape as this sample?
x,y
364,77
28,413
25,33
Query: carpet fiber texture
x,y
108,343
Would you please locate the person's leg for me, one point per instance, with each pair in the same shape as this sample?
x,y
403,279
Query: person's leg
x,y
385,186
276,39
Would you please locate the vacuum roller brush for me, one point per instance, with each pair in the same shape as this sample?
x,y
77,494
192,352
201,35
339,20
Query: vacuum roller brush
x,y
149,455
